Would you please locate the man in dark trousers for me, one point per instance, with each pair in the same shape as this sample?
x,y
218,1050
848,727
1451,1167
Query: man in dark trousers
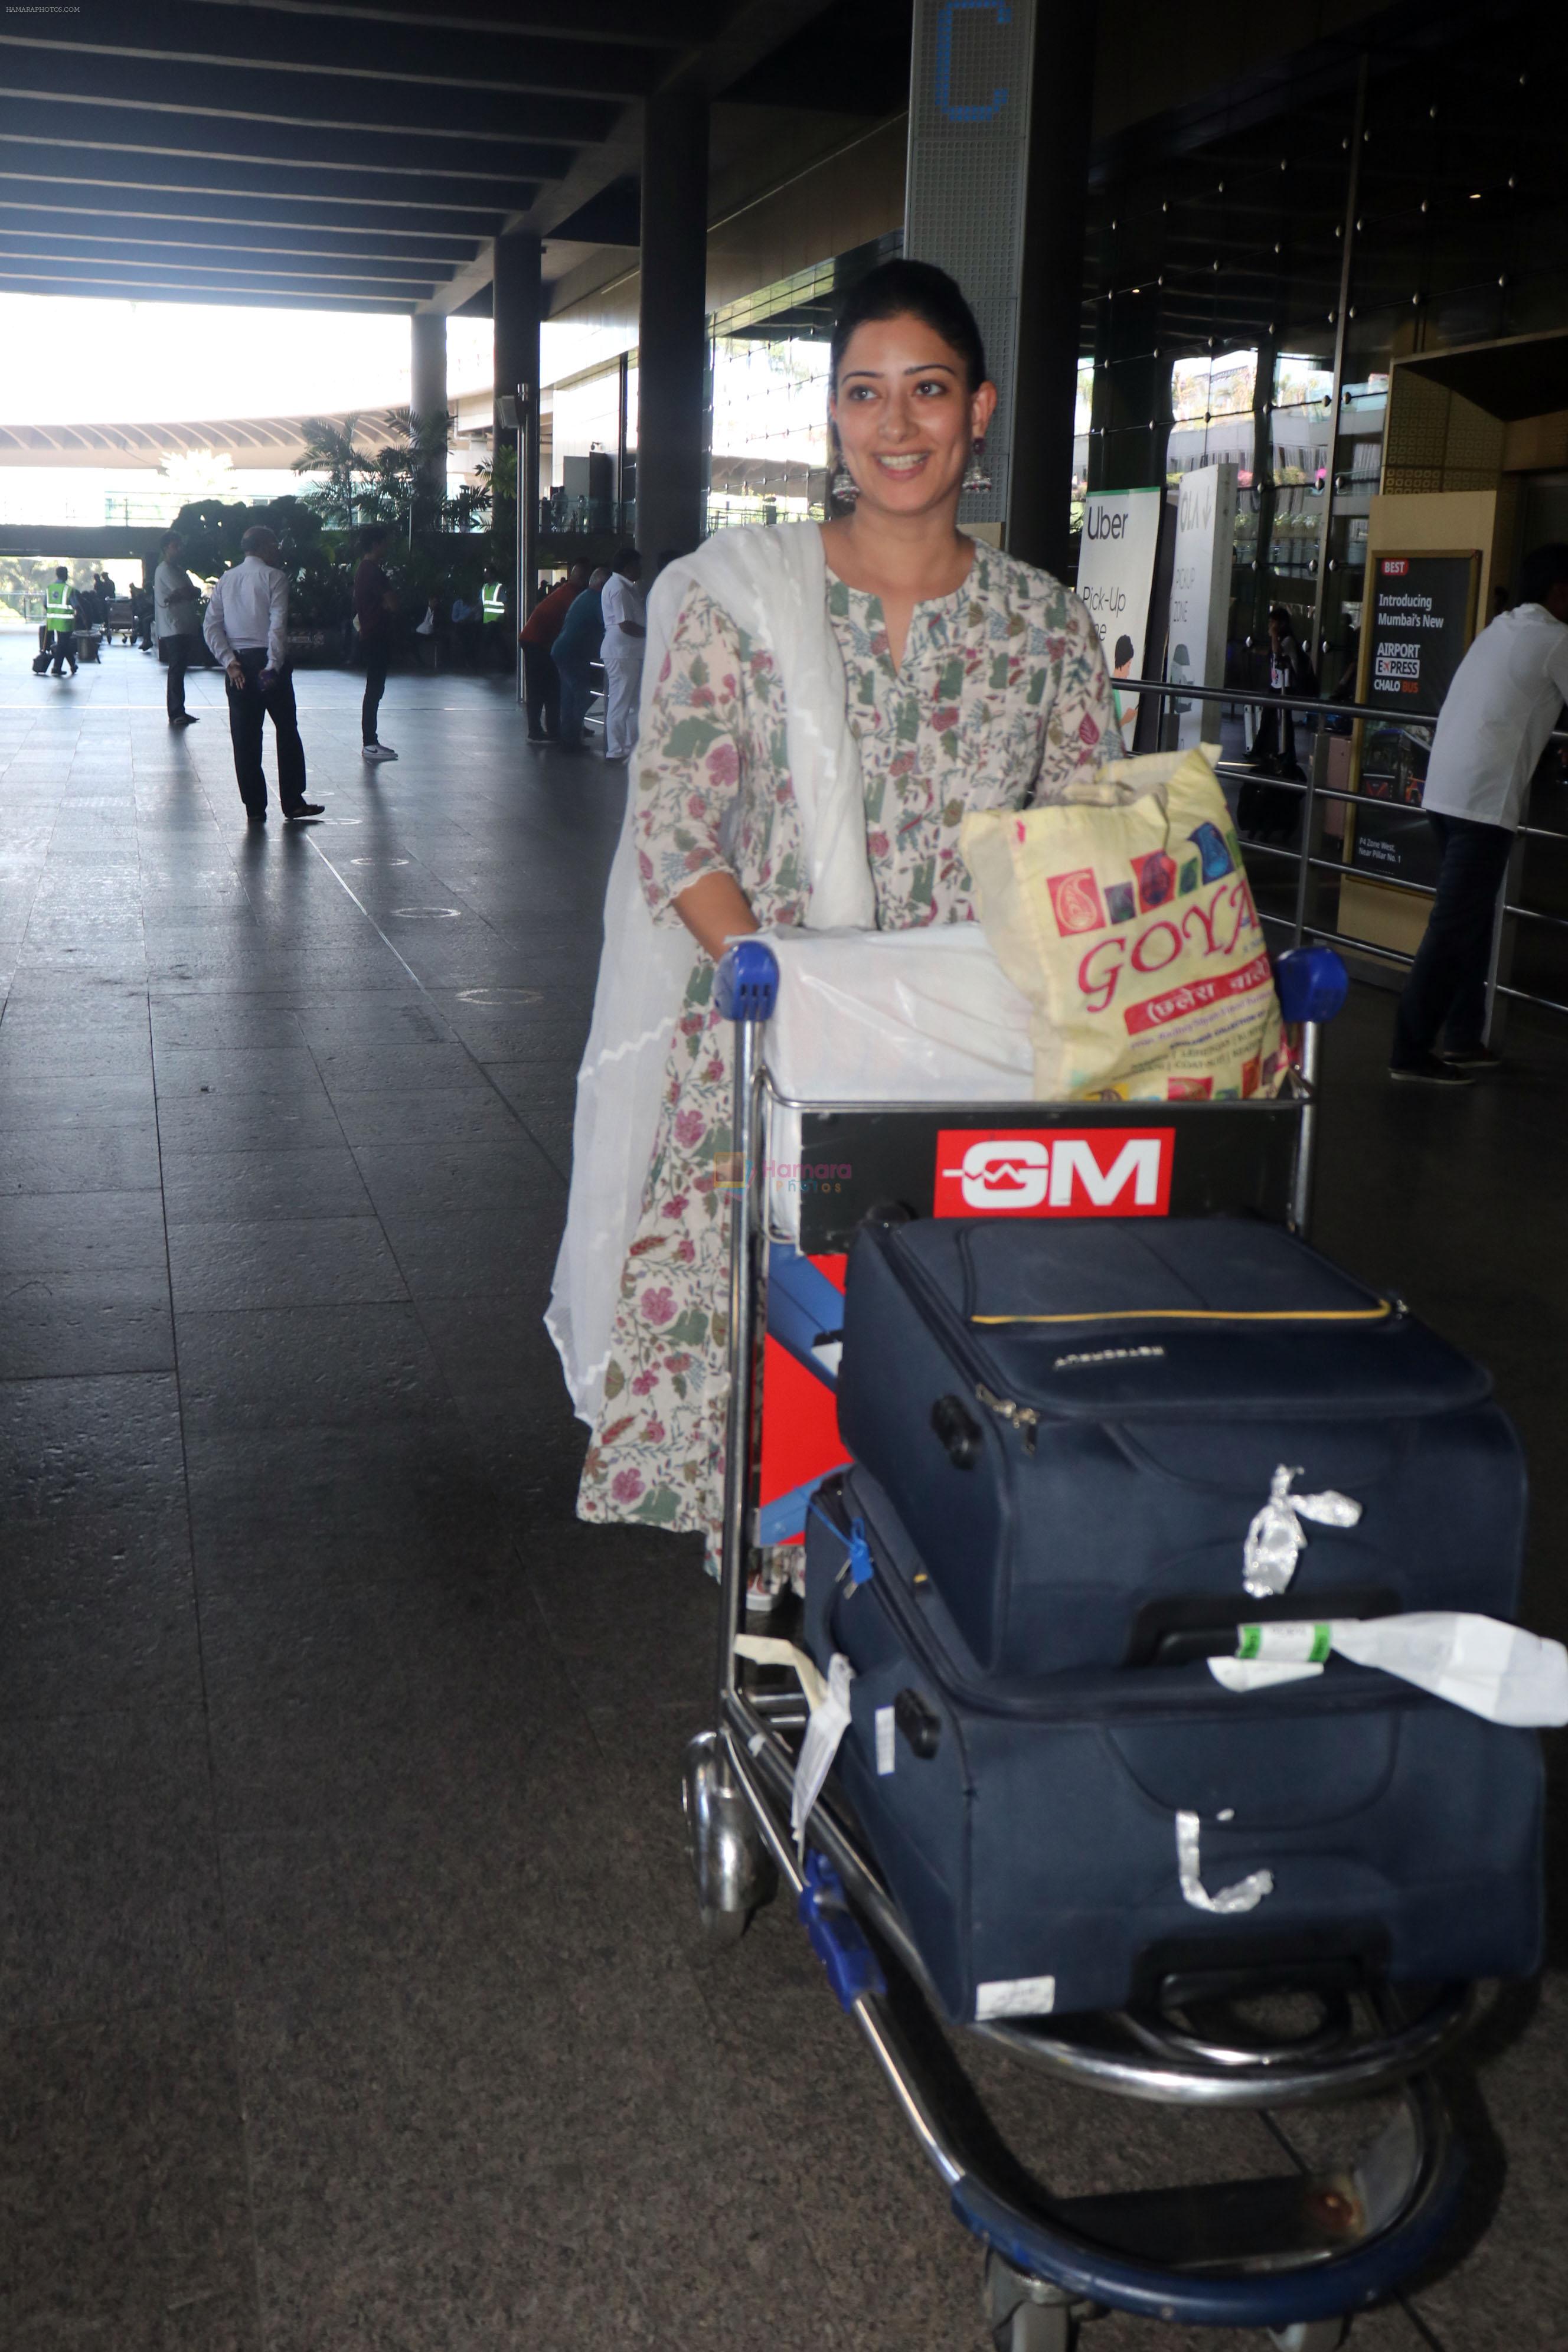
x,y
178,607
60,600
375,604
1506,698
541,679
1272,815
247,625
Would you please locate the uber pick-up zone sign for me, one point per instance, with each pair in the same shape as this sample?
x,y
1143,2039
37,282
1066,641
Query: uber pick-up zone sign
x,y
1034,1159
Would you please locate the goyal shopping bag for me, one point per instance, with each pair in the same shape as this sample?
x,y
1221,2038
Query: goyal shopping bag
x,y
1126,918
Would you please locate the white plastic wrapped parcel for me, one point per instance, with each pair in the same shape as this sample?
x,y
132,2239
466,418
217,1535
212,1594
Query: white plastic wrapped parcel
x,y
917,1016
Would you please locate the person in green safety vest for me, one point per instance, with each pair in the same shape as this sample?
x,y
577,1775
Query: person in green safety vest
x,y
59,616
492,608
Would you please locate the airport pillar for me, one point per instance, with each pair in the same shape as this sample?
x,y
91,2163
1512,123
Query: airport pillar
x,y
672,324
427,387
517,291
1000,101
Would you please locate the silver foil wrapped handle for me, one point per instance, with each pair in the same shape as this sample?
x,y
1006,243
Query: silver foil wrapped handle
x,y
1276,1538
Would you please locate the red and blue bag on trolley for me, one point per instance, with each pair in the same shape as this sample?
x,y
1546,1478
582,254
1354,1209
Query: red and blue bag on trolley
x,y
1084,1455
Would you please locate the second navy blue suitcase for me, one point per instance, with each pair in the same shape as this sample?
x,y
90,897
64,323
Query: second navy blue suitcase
x,y
1082,1419
1078,1840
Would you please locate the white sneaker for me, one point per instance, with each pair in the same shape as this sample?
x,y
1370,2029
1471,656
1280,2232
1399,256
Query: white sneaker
x,y
374,751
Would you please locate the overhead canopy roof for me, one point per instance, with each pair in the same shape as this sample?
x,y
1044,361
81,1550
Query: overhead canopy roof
x,y
264,443
347,154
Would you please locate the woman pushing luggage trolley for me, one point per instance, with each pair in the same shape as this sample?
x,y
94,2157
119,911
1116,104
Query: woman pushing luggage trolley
x,y
1130,1718
1070,1742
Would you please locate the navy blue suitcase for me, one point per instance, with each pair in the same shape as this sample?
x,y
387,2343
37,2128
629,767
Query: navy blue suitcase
x,y
1082,1419
1078,1840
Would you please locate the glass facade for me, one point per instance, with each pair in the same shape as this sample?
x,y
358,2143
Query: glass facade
x,y
769,435
1421,198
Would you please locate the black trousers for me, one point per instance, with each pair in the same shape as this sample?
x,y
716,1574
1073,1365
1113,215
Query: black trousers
x,y
64,644
176,652
248,708
376,661
1447,990
540,692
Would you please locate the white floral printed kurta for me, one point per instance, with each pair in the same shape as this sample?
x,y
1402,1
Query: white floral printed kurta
x,y
1002,699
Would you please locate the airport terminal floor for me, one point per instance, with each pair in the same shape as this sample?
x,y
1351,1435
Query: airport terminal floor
x,y
353,1995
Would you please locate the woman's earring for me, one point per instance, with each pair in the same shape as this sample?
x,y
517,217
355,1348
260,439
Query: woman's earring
x,y
843,487
976,478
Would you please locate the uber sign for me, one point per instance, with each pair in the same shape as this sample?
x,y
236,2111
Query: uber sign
x,y
1099,1171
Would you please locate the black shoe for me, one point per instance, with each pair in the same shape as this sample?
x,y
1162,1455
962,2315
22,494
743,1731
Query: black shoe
x,y
183,718
303,808
1471,1057
1430,1072
256,816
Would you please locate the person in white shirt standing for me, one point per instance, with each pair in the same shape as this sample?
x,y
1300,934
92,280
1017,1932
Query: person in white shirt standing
x,y
625,635
247,625
177,623
1506,697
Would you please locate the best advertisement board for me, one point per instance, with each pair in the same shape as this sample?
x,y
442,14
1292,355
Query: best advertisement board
x,y
1200,596
1116,581
1420,616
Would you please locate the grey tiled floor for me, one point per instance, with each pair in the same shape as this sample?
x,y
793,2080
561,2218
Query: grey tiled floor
x,y
350,1994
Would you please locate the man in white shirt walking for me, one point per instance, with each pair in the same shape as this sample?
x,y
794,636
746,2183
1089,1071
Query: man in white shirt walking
x,y
246,626
626,636
177,623
1506,698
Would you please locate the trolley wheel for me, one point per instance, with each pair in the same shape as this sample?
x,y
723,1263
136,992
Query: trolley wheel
x,y
1038,2328
1311,2336
734,1873
1024,2314
721,1929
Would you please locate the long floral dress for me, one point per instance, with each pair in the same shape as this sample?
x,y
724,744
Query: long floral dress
x,y
1002,699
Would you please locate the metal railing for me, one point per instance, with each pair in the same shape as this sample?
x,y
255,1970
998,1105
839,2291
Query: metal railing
x,y
1312,789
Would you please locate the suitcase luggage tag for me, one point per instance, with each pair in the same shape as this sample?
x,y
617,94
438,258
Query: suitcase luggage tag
x,y
1500,1672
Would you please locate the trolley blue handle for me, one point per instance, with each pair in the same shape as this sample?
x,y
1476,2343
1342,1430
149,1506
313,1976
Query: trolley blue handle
x,y
746,985
1312,982
1345,2283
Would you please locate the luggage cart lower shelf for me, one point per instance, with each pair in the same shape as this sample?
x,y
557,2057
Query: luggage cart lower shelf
x,y
1295,2255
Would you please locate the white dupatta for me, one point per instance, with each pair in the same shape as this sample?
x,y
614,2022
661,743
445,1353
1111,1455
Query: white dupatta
x,y
772,583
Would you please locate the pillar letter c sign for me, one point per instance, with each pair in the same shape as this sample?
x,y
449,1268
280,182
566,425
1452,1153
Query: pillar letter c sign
x,y
951,11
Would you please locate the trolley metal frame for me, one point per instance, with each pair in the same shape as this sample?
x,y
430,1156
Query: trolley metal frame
x,y
1295,2255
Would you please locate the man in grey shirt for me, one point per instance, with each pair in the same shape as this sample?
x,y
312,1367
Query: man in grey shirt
x,y
177,623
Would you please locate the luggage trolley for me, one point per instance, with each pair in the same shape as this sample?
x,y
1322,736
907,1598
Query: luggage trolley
x,y
1294,2255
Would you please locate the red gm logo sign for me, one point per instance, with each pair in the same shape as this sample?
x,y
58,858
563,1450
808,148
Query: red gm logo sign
x,y
1100,1172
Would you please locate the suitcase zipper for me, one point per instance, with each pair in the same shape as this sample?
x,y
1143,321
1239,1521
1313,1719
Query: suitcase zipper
x,y
964,1339
961,1343
1021,1417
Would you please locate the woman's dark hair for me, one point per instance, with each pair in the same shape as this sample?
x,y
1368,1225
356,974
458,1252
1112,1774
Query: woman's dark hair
x,y
1123,650
1284,616
915,290
374,534
1543,568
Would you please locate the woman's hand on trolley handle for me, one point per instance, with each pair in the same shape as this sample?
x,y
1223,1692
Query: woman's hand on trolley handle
x,y
716,910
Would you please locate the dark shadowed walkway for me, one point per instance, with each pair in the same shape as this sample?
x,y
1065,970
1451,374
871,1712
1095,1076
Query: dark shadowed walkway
x,y
350,1993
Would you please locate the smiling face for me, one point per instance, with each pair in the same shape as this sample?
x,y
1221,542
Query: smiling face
x,y
905,416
